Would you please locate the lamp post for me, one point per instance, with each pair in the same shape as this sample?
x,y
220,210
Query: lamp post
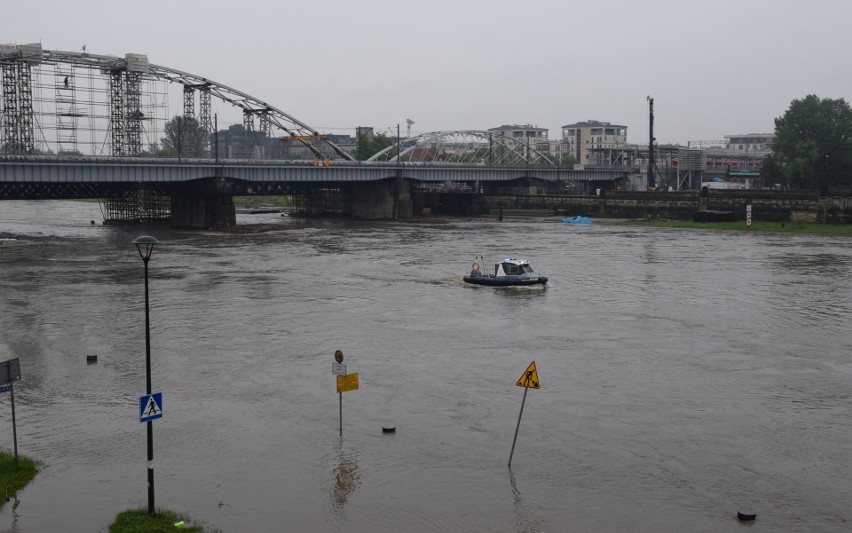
x,y
145,245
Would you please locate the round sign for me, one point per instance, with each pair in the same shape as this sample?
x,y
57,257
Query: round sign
x,y
338,356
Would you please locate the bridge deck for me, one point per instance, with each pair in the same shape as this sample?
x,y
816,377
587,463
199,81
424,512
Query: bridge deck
x,y
18,169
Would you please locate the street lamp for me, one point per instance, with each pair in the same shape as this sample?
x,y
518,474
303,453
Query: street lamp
x,y
145,245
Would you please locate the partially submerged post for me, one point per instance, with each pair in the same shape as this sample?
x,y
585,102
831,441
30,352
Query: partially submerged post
x,y
145,246
528,380
10,371
345,382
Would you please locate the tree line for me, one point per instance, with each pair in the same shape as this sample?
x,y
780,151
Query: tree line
x,y
812,147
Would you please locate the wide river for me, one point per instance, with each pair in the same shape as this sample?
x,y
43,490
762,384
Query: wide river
x,y
686,376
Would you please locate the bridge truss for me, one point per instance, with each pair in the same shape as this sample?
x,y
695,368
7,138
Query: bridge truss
x,y
77,103
468,146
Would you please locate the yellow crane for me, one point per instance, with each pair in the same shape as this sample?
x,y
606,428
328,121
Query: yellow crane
x,y
307,140
304,138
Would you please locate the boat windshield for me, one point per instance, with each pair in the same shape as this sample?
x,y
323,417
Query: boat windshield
x,y
513,270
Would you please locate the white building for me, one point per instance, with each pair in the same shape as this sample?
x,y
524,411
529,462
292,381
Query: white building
x,y
591,142
526,136
759,144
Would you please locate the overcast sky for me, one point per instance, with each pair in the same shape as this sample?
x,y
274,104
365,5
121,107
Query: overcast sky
x,y
714,68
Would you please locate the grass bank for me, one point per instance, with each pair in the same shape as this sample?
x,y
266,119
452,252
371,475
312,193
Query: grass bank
x,y
139,521
757,225
14,477
263,201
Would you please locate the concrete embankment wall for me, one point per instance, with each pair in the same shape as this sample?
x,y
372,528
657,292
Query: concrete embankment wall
x,y
806,206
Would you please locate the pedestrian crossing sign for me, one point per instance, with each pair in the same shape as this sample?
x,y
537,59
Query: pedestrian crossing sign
x,y
529,378
150,407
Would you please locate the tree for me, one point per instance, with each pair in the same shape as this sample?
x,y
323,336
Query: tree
x,y
184,138
813,145
368,145
568,160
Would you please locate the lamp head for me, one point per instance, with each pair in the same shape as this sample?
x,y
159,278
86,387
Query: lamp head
x,y
145,245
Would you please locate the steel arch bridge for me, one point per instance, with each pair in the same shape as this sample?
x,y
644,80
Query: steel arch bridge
x,y
465,146
111,104
78,103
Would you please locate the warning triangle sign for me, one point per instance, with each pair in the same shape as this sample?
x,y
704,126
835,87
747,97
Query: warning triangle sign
x,y
529,378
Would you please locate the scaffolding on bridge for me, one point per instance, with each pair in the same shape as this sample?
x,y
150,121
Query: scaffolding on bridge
x,y
54,106
142,205
318,200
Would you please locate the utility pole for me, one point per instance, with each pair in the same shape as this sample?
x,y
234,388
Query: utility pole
x,y
652,183
398,187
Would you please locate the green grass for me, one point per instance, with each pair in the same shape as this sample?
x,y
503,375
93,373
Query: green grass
x,y
139,521
757,225
263,201
14,477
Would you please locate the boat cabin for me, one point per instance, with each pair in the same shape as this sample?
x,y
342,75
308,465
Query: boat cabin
x,y
513,267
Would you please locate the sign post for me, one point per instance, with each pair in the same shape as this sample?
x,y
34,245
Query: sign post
x,y
10,371
338,357
345,382
528,380
748,216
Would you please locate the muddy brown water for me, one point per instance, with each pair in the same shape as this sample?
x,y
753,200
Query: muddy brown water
x,y
685,376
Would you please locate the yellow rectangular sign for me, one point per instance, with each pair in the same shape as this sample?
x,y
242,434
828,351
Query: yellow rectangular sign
x,y
347,383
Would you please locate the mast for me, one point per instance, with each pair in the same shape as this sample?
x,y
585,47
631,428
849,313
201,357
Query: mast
x,y
652,162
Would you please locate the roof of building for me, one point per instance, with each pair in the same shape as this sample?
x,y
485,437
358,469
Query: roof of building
x,y
517,127
744,135
592,124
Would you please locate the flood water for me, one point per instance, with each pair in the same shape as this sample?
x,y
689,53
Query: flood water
x,y
685,376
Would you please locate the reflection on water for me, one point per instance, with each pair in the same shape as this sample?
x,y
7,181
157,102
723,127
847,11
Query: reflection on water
x,y
684,372
14,508
346,479
525,520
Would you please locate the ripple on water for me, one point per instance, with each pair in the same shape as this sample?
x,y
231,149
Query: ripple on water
x,y
682,373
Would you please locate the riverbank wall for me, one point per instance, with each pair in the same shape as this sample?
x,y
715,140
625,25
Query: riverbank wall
x,y
804,206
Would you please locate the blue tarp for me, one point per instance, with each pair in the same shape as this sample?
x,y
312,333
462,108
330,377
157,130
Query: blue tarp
x,y
577,220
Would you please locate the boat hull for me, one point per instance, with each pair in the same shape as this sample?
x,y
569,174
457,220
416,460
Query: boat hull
x,y
504,282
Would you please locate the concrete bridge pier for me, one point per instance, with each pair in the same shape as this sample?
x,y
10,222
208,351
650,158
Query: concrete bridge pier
x,y
382,200
203,204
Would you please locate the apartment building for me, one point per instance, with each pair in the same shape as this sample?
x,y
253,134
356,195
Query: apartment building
x,y
757,144
526,136
592,142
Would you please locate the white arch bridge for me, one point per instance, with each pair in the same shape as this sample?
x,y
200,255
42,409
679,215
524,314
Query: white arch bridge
x,y
77,125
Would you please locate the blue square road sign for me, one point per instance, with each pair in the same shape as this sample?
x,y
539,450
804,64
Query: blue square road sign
x,y
150,406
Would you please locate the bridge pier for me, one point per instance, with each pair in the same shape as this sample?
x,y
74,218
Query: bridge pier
x,y
382,200
204,204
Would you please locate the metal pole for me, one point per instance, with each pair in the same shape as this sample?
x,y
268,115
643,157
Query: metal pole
x,y
652,181
518,426
12,399
341,413
398,184
216,134
150,428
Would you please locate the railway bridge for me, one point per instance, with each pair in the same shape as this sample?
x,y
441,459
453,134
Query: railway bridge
x,y
80,125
